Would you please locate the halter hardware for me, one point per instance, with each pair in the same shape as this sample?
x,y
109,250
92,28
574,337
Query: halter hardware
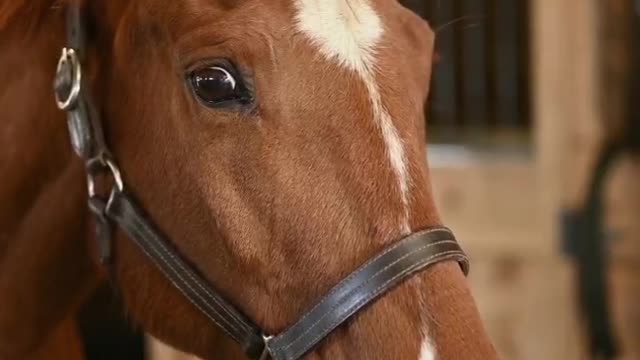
x,y
266,352
68,79
85,131
99,166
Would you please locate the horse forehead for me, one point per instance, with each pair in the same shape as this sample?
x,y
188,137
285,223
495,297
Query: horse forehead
x,y
344,30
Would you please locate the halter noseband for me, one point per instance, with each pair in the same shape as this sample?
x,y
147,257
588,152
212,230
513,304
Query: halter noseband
x,y
118,207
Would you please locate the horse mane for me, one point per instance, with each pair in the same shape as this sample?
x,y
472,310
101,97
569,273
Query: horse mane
x,y
27,14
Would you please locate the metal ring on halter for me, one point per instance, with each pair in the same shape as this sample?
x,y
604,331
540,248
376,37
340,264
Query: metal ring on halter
x,y
68,57
104,163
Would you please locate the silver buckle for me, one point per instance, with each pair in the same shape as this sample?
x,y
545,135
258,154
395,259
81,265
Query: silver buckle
x,y
266,353
101,165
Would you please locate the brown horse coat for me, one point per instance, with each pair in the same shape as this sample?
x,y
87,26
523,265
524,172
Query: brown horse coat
x,y
274,202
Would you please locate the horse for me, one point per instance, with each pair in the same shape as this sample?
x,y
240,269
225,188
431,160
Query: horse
x,y
278,144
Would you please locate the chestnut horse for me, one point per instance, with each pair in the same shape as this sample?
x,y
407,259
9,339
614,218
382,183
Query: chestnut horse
x,y
279,144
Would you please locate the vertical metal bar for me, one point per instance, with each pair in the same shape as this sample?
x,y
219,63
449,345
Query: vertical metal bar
x,y
506,66
444,104
473,57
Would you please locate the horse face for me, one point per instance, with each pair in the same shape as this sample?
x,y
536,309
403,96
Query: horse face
x,y
279,145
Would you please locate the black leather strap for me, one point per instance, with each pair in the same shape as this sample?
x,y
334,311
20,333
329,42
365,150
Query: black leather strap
x,y
377,276
359,289
132,219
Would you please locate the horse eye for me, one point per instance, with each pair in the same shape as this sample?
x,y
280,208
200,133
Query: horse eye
x,y
216,86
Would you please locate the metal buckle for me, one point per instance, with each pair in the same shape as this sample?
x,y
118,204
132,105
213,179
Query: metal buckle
x,y
68,79
98,166
266,353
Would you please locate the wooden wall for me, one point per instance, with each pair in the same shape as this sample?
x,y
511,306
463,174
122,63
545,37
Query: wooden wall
x,y
506,208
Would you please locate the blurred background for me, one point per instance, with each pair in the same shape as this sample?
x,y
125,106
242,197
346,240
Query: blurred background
x,y
532,123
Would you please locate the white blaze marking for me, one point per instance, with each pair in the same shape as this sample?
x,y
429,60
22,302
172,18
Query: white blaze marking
x,y
427,350
348,31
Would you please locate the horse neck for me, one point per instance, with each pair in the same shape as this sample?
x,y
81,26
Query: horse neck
x,y
45,270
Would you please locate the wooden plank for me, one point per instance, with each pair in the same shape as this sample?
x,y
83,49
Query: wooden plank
x,y
565,104
476,199
572,110
527,306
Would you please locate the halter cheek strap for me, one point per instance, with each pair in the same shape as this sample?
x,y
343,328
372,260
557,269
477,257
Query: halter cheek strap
x,y
123,211
380,274
119,207
360,288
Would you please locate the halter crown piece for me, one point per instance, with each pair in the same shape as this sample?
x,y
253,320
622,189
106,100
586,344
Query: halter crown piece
x,y
118,207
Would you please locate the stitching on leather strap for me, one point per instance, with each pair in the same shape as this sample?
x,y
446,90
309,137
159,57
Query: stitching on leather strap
x,y
363,284
206,312
369,262
143,227
188,273
322,333
245,333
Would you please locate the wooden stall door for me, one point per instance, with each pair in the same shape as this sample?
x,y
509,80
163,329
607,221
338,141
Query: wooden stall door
x,y
505,207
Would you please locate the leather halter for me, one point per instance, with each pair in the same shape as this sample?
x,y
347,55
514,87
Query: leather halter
x,y
119,207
